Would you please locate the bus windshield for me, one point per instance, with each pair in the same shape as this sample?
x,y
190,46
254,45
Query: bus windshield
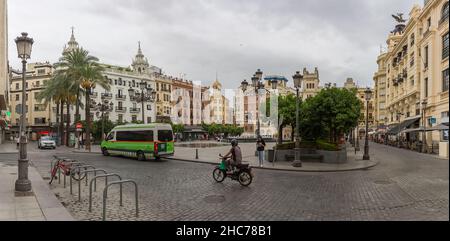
x,y
165,135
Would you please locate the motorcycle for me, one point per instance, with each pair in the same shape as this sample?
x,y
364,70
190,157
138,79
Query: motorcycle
x,y
241,173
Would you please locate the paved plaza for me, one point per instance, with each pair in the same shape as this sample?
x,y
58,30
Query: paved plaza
x,y
404,186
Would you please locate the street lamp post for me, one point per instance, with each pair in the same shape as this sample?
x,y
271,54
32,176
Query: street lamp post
x,y
258,85
424,134
24,47
147,94
298,78
102,108
368,96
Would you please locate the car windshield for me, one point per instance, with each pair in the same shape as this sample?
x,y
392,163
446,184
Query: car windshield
x,y
47,138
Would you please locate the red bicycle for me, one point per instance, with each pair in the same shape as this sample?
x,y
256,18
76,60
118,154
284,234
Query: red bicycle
x,y
66,168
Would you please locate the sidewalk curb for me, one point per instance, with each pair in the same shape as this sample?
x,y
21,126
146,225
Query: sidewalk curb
x,y
51,207
8,153
373,164
84,152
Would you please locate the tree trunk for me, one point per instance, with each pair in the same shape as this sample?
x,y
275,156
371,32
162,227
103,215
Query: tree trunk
x,y
61,123
88,121
77,107
68,124
58,115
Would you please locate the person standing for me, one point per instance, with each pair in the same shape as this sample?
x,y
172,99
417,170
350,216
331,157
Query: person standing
x,y
260,147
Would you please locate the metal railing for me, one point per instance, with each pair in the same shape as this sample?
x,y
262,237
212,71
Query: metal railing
x,y
105,194
106,184
86,172
76,169
72,171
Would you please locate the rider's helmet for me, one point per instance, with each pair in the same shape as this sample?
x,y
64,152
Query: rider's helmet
x,y
234,142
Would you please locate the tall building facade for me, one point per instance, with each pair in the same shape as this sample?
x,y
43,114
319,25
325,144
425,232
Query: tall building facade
x,y
416,70
311,83
40,116
4,69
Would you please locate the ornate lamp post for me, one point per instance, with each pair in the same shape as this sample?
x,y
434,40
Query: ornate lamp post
x,y
424,134
258,85
368,96
298,78
146,95
24,47
103,109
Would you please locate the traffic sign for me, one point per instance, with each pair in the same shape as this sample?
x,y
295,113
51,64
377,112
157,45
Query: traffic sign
x,y
79,126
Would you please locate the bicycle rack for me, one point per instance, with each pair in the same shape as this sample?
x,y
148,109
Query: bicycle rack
x,y
74,164
106,184
79,169
86,172
105,193
64,159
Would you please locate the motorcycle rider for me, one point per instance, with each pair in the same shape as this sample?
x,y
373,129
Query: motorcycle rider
x,y
235,154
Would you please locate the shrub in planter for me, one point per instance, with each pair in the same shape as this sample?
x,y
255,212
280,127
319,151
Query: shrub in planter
x,y
326,146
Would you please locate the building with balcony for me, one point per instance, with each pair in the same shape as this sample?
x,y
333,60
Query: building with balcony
x,y
416,70
186,102
40,116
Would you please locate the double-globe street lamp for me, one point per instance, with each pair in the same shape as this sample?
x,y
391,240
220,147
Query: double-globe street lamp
x,y
298,78
368,96
258,85
147,94
103,109
24,47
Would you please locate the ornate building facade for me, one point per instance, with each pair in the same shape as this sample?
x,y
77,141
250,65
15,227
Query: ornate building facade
x,y
415,70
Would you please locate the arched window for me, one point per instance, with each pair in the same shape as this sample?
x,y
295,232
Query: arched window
x,y
444,12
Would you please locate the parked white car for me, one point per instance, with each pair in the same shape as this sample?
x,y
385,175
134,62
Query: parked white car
x,y
46,142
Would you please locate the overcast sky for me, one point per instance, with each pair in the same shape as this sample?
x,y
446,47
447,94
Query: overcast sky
x,y
199,37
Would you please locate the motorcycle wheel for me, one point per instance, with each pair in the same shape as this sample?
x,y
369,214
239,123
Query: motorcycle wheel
x,y
245,178
219,175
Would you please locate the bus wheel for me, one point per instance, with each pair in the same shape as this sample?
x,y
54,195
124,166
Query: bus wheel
x,y
140,156
105,152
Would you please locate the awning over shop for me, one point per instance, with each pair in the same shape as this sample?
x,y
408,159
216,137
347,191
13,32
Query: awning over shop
x,y
402,126
440,127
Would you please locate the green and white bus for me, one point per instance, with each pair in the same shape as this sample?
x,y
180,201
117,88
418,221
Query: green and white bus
x,y
148,141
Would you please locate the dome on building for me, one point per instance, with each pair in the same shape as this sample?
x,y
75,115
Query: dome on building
x,y
140,63
217,85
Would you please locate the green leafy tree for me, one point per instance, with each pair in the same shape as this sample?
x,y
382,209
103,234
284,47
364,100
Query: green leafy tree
x,y
287,110
329,114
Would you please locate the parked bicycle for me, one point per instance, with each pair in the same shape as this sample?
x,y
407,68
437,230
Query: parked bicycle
x,y
66,169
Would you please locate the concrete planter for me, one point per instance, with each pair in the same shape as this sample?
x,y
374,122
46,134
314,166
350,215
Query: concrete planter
x,y
309,155
334,157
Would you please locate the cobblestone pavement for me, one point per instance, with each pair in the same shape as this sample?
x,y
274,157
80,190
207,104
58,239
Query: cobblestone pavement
x,y
405,186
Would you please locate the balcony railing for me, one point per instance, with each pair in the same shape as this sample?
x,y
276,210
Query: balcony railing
x,y
106,96
121,109
121,97
135,110
94,95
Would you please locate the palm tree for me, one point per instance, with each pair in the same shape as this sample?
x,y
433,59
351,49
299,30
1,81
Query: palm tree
x,y
55,90
83,73
71,64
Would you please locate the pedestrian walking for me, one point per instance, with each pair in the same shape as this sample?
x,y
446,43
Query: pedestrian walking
x,y
260,147
80,141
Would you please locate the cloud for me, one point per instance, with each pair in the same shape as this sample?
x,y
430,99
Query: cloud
x,y
200,37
